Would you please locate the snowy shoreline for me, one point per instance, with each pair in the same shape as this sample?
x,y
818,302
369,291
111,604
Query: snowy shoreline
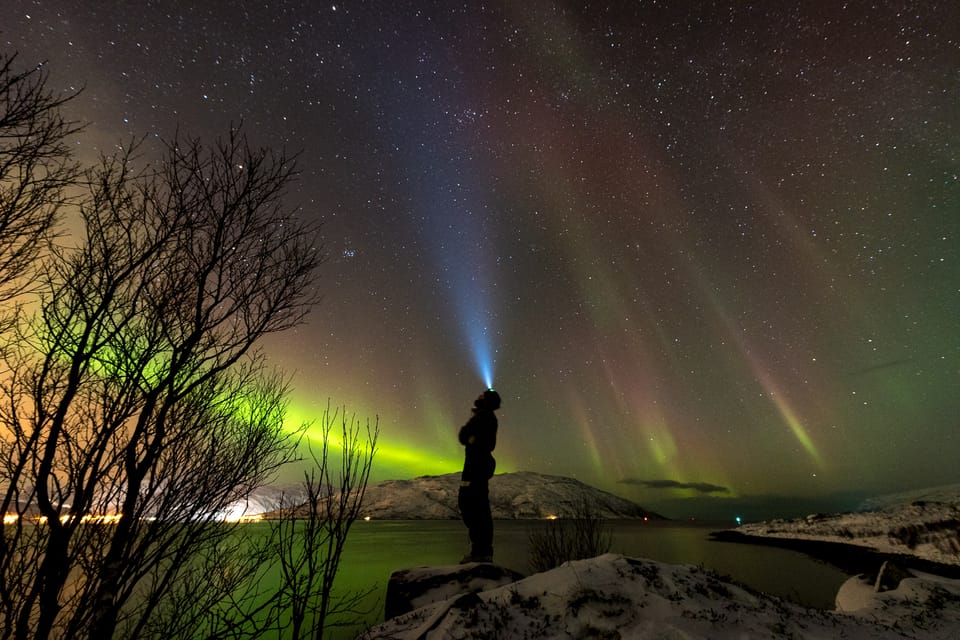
x,y
918,530
903,558
849,557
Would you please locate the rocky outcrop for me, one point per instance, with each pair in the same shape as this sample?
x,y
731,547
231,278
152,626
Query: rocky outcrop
x,y
411,589
890,576
613,596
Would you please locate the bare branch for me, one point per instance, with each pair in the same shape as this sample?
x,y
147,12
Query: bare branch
x,y
35,170
138,387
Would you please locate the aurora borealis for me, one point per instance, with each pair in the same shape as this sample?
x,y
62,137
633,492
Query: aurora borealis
x,y
705,250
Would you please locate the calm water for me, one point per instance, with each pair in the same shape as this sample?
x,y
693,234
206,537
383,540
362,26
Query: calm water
x,y
376,549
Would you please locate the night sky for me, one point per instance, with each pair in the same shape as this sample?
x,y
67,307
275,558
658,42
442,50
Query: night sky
x,y
707,251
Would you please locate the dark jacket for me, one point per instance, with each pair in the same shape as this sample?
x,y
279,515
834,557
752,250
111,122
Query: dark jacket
x,y
479,437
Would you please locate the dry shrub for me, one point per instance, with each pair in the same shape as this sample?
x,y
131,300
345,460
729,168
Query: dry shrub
x,y
580,534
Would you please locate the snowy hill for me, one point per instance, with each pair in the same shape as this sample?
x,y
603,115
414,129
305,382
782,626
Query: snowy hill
x,y
264,500
617,597
924,524
512,496
944,494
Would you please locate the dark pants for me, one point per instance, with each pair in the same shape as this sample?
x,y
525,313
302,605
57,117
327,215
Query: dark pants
x,y
474,504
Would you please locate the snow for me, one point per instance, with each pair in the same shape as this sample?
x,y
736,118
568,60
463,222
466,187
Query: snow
x,y
922,524
264,500
411,589
928,605
613,596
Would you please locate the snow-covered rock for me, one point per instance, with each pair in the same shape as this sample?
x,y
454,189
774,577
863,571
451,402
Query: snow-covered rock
x,y
617,597
923,605
512,495
410,589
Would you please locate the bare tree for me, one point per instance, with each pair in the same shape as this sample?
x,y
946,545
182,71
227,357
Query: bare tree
x,y
35,169
138,389
277,579
311,537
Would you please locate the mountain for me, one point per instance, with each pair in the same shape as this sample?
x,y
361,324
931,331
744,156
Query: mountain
x,y
266,500
946,494
521,495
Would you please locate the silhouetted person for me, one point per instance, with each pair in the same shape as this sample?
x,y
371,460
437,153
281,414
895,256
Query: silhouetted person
x,y
479,437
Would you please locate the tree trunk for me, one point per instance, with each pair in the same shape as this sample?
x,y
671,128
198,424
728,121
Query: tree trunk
x,y
49,581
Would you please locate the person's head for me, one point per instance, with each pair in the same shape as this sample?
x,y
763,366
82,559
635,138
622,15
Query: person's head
x,y
489,400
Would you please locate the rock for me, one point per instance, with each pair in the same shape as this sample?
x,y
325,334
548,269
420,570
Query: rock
x,y
612,596
856,594
410,589
890,576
